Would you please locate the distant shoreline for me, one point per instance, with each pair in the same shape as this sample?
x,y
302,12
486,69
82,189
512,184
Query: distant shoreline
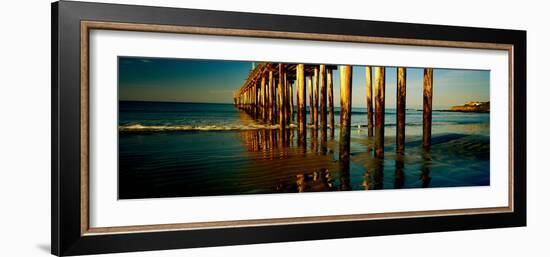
x,y
478,107
449,110
469,107
461,111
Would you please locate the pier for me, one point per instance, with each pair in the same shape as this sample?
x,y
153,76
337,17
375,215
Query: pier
x,y
267,95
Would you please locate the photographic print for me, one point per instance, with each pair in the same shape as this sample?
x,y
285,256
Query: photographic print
x,y
190,127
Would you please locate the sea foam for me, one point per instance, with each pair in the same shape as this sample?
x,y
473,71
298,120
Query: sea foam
x,y
152,128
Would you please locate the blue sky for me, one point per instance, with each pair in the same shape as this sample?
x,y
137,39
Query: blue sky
x,y
214,81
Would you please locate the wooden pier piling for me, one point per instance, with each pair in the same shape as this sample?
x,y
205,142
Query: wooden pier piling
x,y
345,111
315,94
291,101
345,126
330,101
264,99
268,91
368,79
323,97
258,99
310,94
379,101
288,96
427,108
299,99
300,81
271,113
282,105
400,106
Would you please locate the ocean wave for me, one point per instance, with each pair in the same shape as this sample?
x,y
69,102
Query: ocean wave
x,y
154,128
240,127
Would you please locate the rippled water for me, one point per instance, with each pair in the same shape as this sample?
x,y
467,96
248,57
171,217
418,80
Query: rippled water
x,y
247,157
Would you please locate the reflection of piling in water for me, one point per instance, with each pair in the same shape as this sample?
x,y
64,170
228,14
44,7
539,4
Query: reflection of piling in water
x,y
379,175
281,136
314,182
425,168
301,140
275,135
266,139
313,139
368,77
323,141
288,137
401,98
345,184
284,140
330,102
374,176
256,139
379,101
427,108
399,173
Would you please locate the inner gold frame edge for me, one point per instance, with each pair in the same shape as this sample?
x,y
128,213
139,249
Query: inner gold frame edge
x,y
86,26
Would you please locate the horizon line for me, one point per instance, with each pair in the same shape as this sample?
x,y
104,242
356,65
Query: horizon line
x,y
182,102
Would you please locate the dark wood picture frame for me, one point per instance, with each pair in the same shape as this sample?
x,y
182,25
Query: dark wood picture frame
x,y
71,22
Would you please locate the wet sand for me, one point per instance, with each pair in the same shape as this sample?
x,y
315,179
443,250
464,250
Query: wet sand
x,y
182,164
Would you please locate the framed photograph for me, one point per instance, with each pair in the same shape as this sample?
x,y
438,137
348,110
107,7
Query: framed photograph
x,y
177,128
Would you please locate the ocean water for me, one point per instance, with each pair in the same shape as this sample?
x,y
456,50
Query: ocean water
x,y
197,149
